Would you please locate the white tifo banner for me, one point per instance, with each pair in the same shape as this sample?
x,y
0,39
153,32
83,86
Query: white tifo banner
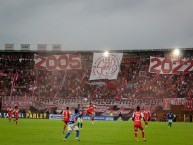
x,y
105,67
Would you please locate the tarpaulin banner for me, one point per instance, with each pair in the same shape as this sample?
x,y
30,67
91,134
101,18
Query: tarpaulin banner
x,y
105,67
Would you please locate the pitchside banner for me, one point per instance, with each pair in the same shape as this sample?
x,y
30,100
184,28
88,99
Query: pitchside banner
x,y
59,62
170,66
37,115
4,114
106,67
104,118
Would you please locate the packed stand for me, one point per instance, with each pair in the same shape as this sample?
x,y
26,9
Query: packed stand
x,y
19,78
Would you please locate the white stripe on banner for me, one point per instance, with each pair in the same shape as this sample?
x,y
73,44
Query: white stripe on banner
x,y
106,67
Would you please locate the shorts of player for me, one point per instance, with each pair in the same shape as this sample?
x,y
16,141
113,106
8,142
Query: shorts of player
x,y
16,117
90,111
9,115
169,120
146,119
138,126
72,127
66,121
79,120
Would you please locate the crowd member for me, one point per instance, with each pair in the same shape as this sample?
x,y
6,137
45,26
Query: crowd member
x,y
111,113
72,125
190,117
137,117
163,118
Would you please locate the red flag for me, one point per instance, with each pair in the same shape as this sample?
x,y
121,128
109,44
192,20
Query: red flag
x,y
14,81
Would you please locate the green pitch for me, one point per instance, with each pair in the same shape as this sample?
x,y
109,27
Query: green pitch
x,y
49,132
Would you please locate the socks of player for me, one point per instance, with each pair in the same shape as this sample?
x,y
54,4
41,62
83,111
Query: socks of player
x,y
79,125
143,134
67,135
64,127
170,124
136,134
77,133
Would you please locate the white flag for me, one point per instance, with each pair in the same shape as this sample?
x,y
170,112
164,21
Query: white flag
x,y
105,67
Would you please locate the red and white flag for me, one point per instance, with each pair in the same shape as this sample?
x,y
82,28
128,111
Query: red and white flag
x,y
106,67
166,104
14,81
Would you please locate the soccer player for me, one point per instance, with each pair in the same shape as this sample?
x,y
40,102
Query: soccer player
x,y
9,113
66,114
170,118
137,116
72,125
16,114
146,114
80,120
90,111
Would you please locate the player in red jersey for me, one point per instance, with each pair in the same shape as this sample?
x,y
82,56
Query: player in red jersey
x,y
9,113
90,111
16,114
137,116
66,114
146,114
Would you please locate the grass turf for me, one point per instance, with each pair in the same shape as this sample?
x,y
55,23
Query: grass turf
x,y
49,132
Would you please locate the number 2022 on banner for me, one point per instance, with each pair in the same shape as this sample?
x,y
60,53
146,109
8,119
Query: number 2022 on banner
x,y
170,66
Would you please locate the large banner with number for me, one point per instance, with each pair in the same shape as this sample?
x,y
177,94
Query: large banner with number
x,y
170,66
106,67
59,62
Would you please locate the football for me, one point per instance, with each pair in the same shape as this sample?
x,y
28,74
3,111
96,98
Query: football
x,y
85,99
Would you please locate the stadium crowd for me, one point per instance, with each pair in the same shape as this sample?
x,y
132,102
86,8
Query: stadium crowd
x,y
18,77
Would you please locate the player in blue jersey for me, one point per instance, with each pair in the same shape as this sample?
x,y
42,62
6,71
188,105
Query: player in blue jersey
x,y
72,125
80,120
170,119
